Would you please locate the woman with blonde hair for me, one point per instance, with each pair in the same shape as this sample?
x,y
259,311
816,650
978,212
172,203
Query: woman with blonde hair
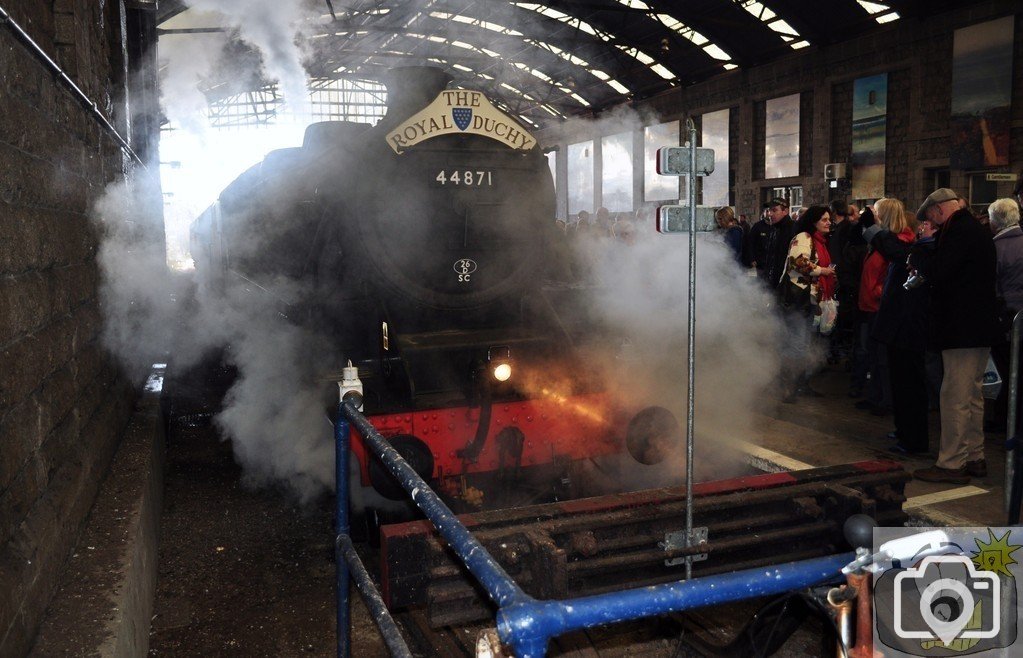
x,y
900,327
890,214
729,227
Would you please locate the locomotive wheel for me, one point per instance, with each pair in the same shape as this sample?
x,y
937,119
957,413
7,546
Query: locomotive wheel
x,y
412,450
652,435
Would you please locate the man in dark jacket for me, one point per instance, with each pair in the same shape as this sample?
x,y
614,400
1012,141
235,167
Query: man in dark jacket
x,y
961,271
768,243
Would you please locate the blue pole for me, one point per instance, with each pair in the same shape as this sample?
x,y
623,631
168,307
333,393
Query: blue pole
x,y
527,625
377,608
342,438
498,584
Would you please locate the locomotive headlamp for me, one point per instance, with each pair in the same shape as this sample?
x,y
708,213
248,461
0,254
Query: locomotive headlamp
x,y
499,360
502,372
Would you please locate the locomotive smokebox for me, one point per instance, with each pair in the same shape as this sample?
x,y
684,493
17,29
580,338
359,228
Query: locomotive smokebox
x,y
410,89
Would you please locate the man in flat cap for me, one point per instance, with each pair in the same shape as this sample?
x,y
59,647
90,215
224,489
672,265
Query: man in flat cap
x,y
767,243
961,271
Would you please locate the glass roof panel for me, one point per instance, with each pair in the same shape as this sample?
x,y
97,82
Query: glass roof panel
x,y
589,29
882,13
501,29
635,4
764,13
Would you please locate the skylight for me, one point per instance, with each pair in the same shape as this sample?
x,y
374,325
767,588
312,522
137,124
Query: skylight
x,y
583,26
490,53
692,35
635,4
551,48
767,16
882,13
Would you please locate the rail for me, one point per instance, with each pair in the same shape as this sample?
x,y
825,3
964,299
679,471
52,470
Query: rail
x,y
1013,456
63,78
526,624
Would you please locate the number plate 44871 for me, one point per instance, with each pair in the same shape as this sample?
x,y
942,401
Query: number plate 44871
x,y
465,178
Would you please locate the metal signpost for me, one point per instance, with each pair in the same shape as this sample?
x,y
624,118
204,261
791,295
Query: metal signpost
x,y
687,161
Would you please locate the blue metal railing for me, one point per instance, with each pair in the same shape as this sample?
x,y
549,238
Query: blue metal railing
x,y
524,623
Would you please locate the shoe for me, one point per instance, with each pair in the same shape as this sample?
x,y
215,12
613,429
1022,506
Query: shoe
x,y
939,474
977,468
806,391
893,435
855,393
864,404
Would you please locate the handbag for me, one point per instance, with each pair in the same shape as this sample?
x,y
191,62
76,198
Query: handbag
x,y
828,316
794,297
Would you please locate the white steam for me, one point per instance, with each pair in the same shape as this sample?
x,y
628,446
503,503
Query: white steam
x,y
187,61
743,344
274,413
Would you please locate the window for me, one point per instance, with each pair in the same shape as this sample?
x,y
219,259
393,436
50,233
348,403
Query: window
x,y
580,177
655,186
982,192
616,172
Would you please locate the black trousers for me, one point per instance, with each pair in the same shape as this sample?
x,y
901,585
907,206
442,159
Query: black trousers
x,y
909,397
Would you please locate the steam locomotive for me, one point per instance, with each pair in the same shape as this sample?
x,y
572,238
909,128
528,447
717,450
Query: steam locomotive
x,y
420,246
425,247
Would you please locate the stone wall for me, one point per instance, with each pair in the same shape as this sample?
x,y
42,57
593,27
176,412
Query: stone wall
x,y
917,56
63,403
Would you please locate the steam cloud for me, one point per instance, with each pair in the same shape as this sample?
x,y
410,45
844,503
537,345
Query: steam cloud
x,y
272,27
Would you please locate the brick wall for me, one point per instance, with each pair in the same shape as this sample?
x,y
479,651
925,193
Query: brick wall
x,y
62,402
916,54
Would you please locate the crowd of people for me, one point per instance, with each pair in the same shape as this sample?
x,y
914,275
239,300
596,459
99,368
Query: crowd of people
x,y
605,224
912,303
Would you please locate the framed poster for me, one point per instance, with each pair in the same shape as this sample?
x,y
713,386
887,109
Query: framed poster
x,y
869,128
781,143
982,94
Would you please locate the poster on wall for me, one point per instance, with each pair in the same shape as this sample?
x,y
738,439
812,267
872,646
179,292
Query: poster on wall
x,y
616,172
655,186
982,94
714,126
781,143
869,128
580,177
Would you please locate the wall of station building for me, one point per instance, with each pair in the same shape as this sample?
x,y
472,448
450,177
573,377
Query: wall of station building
x,y
917,56
63,402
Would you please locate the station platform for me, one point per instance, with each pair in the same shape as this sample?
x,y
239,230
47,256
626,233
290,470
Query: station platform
x,y
828,430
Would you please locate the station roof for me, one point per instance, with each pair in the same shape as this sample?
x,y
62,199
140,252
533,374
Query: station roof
x,y
546,60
